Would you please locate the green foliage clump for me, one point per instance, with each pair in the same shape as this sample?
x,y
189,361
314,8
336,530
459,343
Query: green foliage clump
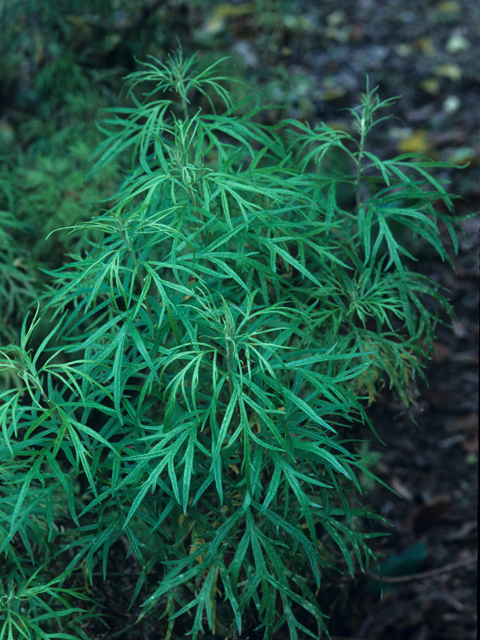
x,y
209,362
17,281
42,176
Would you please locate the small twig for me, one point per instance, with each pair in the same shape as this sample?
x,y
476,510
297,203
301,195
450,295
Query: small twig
x,y
111,574
425,574
122,631
441,590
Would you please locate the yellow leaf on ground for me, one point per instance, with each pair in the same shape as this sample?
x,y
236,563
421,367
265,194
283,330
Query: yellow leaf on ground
x,y
449,6
416,143
218,20
449,70
228,10
431,86
425,45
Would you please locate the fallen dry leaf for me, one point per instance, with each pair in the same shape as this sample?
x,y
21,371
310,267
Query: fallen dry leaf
x,y
431,86
417,142
449,70
402,489
425,45
470,445
448,6
428,513
441,353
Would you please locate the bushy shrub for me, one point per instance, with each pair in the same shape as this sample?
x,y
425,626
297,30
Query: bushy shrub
x,y
204,384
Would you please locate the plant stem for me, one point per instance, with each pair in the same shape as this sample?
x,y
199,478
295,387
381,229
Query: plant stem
x,y
141,279
359,161
424,574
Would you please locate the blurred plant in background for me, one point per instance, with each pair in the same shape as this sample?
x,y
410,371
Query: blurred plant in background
x,y
17,278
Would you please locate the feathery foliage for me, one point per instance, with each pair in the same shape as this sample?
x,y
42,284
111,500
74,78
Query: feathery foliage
x,y
209,361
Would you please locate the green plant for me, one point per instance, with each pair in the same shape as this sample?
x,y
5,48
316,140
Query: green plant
x,y
42,178
16,278
204,386
41,189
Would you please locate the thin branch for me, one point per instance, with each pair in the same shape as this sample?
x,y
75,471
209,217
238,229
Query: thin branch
x,y
425,574
122,631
